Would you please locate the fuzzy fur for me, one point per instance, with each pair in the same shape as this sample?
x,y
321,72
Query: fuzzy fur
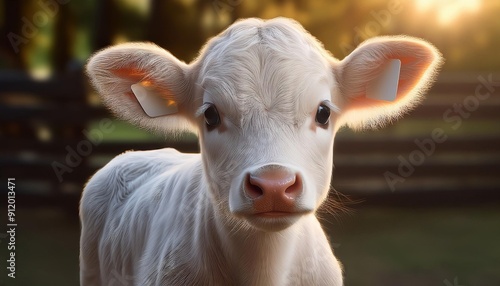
x,y
165,218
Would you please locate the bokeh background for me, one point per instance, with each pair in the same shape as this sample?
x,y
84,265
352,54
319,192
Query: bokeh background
x,y
438,224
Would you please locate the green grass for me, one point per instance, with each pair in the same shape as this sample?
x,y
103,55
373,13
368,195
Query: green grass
x,y
124,131
381,246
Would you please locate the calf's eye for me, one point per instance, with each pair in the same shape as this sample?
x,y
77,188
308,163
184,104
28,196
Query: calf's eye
x,y
212,118
323,114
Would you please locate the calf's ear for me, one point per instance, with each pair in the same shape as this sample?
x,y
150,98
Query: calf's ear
x,y
371,91
144,84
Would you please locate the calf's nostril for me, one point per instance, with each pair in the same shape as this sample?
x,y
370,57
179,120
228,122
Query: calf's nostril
x,y
252,188
294,189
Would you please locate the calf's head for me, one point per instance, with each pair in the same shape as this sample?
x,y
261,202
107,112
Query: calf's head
x,y
266,100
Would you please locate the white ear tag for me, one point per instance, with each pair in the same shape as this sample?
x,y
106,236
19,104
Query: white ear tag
x,y
152,102
385,87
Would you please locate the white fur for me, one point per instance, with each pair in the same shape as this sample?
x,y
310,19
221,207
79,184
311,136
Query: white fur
x,y
166,218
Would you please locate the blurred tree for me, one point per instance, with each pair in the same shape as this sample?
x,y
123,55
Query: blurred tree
x,y
12,15
132,22
61,46
176,26
182,26
104,27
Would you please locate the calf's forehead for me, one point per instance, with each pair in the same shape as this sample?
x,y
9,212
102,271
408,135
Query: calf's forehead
x,y
265,68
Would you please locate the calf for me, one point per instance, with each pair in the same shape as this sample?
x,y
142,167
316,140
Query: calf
x,y
266,100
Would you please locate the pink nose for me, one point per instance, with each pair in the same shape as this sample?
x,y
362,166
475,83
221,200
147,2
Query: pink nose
x,y
273,188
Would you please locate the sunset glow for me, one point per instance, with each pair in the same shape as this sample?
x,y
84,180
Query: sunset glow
x,y
448,10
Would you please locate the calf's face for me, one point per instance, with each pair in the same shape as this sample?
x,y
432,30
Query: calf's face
x,y
266,100
266,125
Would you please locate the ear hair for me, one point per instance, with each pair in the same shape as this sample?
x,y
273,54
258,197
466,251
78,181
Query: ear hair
x,y
114,70
419,65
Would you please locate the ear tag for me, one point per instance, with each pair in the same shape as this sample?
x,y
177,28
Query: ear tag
x,y
153,102
385,87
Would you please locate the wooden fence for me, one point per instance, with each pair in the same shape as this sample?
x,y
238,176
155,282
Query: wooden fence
x,y
40,120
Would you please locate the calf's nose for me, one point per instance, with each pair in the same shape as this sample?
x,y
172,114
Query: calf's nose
x,y
273,188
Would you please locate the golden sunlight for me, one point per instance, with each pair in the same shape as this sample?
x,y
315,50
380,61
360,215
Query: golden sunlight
x,y
448,10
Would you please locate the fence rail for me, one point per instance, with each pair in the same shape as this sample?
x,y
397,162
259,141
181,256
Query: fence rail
x,y
462,164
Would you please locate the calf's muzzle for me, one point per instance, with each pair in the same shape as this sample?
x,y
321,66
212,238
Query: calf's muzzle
x,y
273,189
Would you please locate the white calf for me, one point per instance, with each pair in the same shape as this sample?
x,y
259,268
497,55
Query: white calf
x,y
265,99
